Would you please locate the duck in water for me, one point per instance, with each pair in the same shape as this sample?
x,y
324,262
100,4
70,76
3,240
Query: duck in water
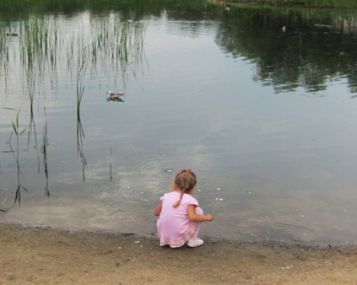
x,y
114,96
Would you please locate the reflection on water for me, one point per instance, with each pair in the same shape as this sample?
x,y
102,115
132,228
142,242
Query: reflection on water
x,y
205,88
294,49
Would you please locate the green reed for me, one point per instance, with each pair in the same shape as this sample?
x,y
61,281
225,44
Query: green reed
x,y
110,164
4,56
18,132
32,130
45,144
81,71
118,44
80,147
38,45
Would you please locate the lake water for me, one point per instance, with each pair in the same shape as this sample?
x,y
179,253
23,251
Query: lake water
x,y
260,103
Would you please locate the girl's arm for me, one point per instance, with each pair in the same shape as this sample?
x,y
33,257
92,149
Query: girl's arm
x,y
191,212
157,210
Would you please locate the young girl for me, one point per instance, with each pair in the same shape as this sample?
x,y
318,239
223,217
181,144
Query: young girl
x,y
179,213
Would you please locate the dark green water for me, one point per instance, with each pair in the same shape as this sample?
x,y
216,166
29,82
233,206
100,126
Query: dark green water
x,y
260,103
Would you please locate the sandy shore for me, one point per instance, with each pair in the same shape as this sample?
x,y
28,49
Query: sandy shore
x,y
51,256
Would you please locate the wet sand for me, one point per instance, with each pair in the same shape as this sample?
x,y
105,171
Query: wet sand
x,y
52,256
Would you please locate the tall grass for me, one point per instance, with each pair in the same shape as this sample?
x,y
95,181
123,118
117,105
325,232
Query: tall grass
x,y
81,67
32,130
38,49
81,71
18,132
110,164
45,145
4,56
118,44
80,147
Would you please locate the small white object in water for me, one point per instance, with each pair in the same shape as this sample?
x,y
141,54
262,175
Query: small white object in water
x,y
128,187
283,28
250,192
218,189
219,199
169,170
137,241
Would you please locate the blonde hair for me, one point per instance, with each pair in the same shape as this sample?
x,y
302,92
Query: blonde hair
x,y
185,180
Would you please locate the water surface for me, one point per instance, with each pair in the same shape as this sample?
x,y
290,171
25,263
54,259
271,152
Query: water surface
x,y
265,115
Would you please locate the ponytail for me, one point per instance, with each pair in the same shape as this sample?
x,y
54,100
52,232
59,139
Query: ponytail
x,y
179,201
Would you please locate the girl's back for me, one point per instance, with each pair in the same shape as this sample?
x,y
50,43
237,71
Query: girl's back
x,y
174,226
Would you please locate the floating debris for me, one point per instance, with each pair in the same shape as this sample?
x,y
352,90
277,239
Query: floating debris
x,y
218,189
137,241
219,199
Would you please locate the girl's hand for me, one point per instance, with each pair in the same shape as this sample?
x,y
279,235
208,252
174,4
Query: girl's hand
x,y
193,216
209,218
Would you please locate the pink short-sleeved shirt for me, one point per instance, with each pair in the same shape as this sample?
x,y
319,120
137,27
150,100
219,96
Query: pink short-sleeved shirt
x,y
173,225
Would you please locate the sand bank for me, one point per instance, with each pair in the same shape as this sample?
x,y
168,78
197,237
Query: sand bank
x,y
52,256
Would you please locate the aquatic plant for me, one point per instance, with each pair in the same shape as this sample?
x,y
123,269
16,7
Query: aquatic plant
x,y
38,47
80,86
4,57
80,147
18,132
118,45
110,164
81,71
32,130
45,144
